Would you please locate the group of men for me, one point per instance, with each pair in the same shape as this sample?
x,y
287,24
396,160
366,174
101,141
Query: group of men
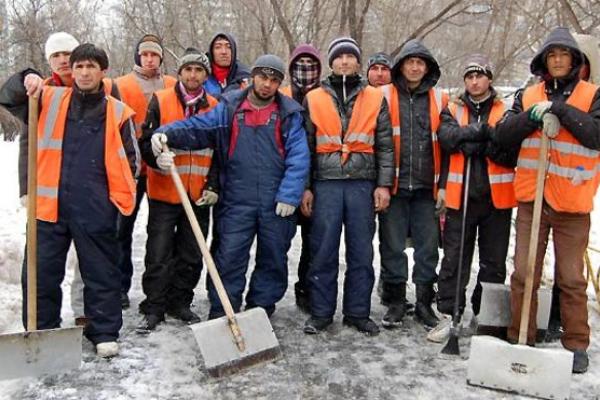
x,y
328,154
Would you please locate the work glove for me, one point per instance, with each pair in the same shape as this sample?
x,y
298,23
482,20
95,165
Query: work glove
x,y
165,160
537,111
470,149
440,204
209,198
478,133
284,210
23,201
157,140
551,125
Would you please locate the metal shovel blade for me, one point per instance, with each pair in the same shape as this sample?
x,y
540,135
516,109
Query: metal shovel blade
x,y
35,353
495,306
496,364
217,346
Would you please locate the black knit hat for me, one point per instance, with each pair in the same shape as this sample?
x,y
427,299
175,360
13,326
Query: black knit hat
x,y
342,45
478,63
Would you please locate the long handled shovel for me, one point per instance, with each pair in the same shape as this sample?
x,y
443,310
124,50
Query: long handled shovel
x,y
37,352
452,347
230,343
493,363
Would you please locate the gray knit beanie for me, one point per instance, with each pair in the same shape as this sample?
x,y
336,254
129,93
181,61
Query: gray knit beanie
x,y
193,56
270,65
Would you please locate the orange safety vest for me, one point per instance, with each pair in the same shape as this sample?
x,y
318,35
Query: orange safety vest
x,y
437,102
286,91
132,95
573,170
51,130
192,166
501,178
360,135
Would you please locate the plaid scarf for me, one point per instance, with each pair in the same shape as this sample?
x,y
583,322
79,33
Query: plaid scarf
x,y
305,76
191,99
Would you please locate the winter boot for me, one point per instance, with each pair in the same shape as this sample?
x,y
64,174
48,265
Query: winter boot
x,y
107,349
363,325
302,301
315,325
441,332
149,323
423,311
580,361
395,296
184,314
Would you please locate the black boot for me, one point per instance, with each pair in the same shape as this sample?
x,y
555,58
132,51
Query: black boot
x,y
302,301
149,323
580,361
423,311
315,325
394,295
363,325
184,314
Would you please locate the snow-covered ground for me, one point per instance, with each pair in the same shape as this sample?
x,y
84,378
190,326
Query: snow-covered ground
x,y
340,364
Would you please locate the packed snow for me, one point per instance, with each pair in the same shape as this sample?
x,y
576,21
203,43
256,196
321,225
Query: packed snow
x,y
167,364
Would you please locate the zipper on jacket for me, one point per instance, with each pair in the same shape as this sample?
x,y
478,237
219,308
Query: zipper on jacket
x,y
410,154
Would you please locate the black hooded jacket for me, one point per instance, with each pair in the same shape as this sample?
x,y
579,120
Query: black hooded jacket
x,y
416,154
515,126
238,72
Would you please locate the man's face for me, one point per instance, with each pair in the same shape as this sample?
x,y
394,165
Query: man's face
x,y
59,64
265,86
379,75
149,60
306,60
192,76
88,75
414,69
345,64
477,84
559,62
221,52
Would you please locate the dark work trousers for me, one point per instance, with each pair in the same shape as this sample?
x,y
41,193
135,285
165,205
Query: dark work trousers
x,y
126,225
412,211
337,203
173,259
304,263
491,228
97,254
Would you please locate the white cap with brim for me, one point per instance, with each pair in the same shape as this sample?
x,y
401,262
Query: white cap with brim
x,y
60,42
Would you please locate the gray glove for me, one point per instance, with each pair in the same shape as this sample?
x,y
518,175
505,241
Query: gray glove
x,y
165,160
551,125
157,140
208,198
284,210
440,204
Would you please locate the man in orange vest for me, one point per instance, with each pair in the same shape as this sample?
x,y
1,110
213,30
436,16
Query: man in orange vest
x,y
464,134
415,107
350,138
136,89
571,182
87,160
173,260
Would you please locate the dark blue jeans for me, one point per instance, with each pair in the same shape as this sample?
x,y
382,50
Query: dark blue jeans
x,y
337,203
414,210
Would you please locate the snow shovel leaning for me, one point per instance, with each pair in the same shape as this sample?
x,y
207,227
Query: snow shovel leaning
x,y
233,342
37,352
496,364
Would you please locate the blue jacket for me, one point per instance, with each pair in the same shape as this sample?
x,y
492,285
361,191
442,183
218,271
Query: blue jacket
x,y
213,129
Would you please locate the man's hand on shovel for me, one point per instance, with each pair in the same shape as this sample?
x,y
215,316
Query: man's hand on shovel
x,y
551,125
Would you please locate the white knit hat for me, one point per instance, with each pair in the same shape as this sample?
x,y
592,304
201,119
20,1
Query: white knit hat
x,y
60,41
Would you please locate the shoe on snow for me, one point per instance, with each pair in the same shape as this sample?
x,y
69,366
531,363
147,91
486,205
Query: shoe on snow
x,y
185,314
554,332
149,323
363,325
394,316
302,301
107,349
124,301
580,361
441,332
314,325
426,316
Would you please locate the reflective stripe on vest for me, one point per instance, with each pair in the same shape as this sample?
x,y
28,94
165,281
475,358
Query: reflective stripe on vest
x,y
573,172
192,166
360,134
500,177
437,101
51,127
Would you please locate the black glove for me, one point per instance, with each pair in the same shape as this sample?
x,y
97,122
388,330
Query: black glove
x,y
478,132
470,149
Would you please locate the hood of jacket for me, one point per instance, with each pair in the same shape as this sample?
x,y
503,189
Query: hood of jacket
x,y
236,69
559,37
414,48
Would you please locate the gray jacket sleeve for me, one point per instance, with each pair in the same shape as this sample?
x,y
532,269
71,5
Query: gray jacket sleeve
x,y
384,148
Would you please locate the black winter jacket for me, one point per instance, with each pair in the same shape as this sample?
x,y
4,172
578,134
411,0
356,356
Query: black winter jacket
x,y
378,166
416,154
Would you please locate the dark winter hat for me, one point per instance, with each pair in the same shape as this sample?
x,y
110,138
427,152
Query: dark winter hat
x,y
193,56
478,63
342,45
558,37
150,43
270,65
380,58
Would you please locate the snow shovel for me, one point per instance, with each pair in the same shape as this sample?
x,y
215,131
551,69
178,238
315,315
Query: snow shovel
x,y
37,352
496,364
234,342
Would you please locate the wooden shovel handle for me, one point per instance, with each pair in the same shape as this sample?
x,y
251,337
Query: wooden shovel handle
x,y
32,127
210,264
533,238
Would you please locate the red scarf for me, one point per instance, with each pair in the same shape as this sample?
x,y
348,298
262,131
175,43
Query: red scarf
x,y
221,73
